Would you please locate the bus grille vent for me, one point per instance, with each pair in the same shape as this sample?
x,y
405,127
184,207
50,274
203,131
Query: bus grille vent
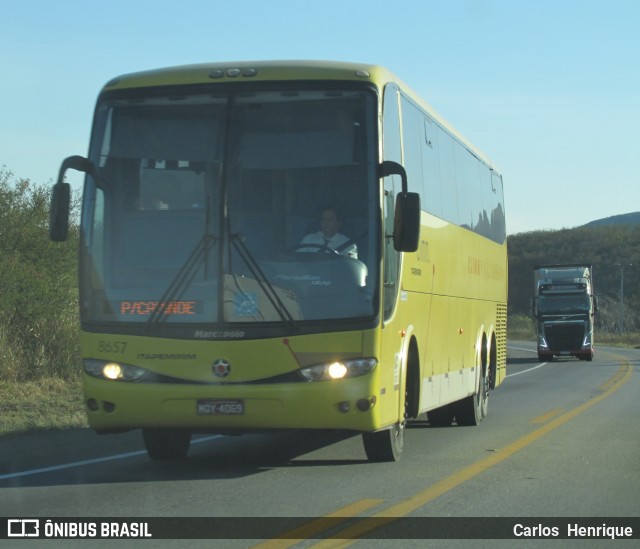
x,y
501,335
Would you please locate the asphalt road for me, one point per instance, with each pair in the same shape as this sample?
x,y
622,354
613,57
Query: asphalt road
x,y
562,439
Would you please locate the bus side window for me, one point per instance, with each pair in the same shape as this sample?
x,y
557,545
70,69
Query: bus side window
x,y
392,151
391,262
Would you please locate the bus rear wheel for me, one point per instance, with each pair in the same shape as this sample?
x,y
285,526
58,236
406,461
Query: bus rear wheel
x,y
385,445
441,417
471,410
166,444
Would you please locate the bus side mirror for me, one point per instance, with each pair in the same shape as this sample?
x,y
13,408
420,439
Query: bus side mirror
x,y
406,225
61,197
596,304
59,212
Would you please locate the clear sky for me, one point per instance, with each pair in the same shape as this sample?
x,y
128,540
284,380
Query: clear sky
x,y
548,89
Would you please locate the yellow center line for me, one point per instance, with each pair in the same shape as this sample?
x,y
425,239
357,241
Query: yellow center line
x,y
546,417
403,508
607,384
310,529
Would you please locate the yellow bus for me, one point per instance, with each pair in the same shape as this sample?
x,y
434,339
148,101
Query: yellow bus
x,y
284,245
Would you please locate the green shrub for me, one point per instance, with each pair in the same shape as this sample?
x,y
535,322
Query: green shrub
x,y
38,287
521,327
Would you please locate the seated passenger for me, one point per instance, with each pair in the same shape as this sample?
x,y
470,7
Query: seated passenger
x,y
328,237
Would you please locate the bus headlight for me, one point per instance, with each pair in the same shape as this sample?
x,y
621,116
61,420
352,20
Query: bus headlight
x,y
112,370
339,369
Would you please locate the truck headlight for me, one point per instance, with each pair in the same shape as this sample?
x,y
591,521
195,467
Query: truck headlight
x,y
114,371
338,369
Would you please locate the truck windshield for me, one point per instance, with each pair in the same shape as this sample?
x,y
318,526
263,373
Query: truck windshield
x,y
203,201
564,303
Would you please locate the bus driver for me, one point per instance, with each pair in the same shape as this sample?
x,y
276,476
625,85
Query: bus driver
x,y
329,237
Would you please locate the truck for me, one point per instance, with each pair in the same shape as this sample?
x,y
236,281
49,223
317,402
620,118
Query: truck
x,y
564,308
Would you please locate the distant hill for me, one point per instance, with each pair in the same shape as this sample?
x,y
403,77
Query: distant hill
x,y
606,244
623,219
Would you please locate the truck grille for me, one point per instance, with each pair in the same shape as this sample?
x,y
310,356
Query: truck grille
x,y
564,337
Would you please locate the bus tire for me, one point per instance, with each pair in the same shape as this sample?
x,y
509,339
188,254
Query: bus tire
x,y
166,444
386,445
471,410
441,417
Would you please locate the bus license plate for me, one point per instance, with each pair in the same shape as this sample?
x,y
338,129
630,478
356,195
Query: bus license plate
x,y
220,407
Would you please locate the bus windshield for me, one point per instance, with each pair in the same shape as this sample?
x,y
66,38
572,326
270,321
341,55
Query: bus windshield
x,y
239,207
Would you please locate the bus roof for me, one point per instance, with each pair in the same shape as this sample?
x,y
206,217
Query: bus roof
x,y
254,70
270,71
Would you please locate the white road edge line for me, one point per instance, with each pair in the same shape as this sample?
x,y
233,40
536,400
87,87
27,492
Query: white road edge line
x,y
522,349
530,369
90,461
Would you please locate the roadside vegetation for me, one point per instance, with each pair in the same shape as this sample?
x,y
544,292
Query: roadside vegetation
x,y
39,350
39,347
614,253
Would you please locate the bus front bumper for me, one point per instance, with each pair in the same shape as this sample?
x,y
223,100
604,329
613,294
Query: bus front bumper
x,y
344,404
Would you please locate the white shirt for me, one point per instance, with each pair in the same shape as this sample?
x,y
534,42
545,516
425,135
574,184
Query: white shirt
x,y
318,239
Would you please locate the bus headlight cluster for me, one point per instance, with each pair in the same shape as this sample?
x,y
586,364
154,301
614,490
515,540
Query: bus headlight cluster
x,y
114,371
339,369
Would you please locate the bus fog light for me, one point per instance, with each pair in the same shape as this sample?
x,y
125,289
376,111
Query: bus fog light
x,y
344,407
364,404
108,407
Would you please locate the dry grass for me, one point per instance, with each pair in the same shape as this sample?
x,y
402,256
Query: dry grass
x,y
47,403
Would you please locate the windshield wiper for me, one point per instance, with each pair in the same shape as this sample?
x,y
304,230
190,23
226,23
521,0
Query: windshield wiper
x,y
183,278
245,254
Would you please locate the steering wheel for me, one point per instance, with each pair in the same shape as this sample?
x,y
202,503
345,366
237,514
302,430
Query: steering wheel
x,y
320,247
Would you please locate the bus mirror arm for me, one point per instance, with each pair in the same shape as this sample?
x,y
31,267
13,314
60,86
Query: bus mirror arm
x,y
388,167
61,197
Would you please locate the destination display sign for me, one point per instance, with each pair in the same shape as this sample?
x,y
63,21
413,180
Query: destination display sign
x,y
145,308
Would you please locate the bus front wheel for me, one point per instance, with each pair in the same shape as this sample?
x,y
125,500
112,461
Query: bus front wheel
x,y
385,445
166,444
